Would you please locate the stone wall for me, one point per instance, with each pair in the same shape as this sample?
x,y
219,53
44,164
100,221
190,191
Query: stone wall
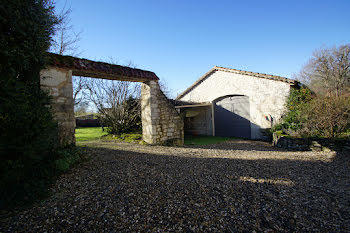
x,y
161,123
58,82
267,97
310,144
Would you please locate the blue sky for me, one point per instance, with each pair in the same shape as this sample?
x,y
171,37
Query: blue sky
x,y
181,40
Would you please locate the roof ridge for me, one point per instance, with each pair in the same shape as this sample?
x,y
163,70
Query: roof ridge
x,y
252,72
243,72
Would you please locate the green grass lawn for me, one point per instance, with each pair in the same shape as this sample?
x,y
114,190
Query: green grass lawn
x,y
89,133
127,137
93,133
203,140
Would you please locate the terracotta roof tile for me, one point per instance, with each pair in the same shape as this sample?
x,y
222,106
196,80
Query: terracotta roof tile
x,y
88,68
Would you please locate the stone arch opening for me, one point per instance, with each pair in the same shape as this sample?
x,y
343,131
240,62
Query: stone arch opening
x,y
161,123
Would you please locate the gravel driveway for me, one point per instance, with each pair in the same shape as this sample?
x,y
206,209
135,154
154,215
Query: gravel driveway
x,y
234,186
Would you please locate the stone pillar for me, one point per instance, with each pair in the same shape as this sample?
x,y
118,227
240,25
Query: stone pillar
x,y
58,82
161,123
149,114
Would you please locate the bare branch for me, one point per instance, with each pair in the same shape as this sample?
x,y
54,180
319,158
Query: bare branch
x,y
66,38
328,71
117,103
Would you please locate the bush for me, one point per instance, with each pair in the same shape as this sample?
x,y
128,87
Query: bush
x,y
327,117
292,120
66,159
127,137
124,118
25,180
311,116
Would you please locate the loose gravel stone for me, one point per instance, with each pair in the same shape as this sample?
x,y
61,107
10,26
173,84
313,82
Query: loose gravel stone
x,y
234,186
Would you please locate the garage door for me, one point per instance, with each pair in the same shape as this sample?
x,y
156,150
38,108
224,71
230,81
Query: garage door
x,y
232,117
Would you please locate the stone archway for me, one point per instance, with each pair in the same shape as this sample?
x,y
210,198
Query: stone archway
x,y
161,123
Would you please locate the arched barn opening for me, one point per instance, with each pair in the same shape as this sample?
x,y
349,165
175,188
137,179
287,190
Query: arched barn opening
x,y
232,116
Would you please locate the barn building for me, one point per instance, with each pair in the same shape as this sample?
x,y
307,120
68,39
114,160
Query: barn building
x,y
234,103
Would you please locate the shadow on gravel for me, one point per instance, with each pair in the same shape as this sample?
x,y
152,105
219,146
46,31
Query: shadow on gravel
x,y
293,169
282,195
124,191
240,144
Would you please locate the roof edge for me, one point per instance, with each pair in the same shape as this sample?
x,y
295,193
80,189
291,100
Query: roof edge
x,y
196,83
236,71
90,68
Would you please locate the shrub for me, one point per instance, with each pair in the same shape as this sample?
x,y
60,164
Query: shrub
x,y
311,116
66,159
327,117
25,180
123,118
292,120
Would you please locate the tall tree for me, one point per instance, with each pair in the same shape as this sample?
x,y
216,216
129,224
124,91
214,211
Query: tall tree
x,y
27,129
26,30
328,71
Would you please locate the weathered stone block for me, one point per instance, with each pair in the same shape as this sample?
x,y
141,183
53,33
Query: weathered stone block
x,y
53,77
58,82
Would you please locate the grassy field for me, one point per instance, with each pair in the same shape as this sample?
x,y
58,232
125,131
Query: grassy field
x,y
93,133
89,133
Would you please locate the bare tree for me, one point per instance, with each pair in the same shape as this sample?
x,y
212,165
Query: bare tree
x,y
80,91
164,87
117,103
81,109
66,42
328,71
66,38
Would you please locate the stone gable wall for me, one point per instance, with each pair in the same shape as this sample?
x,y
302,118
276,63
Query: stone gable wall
x,y
161,123
58,82
267,97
